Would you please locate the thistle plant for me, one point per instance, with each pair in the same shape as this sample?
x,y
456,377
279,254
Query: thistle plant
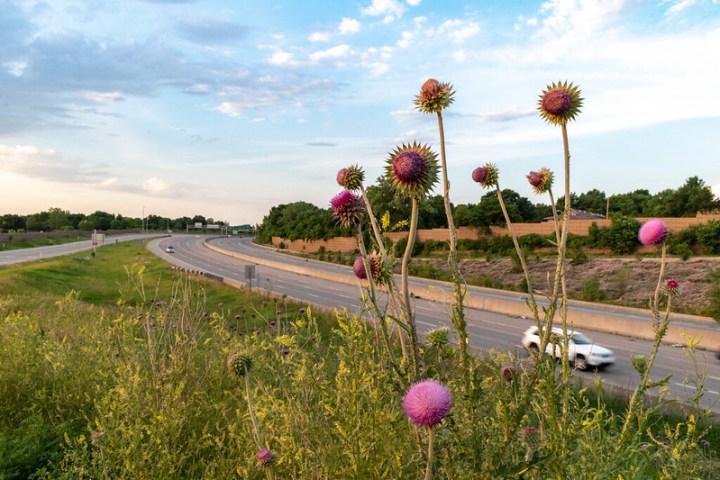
x,y
426,404
353,178
240,365
434,97
652,232
412,169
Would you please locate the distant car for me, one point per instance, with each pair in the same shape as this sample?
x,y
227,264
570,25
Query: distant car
x,y
582,352
170,249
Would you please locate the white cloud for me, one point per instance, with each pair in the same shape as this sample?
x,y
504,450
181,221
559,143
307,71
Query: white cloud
x,y
579,16
337,52
319,37
414,3
390,9
155,185
376,68
105,97
282,59
716,188
16,69
457,30
406,39
679,6
459,55
348,26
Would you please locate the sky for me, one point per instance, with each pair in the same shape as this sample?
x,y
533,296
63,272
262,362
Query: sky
x,y
226,108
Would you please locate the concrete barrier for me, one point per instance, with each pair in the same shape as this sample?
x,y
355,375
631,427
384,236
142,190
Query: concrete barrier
x,y
708,339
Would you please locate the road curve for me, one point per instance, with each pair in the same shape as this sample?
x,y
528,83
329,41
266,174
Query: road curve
x,y
488,331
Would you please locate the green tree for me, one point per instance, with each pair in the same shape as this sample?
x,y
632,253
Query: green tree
x,y
11,221
57,218
622,236
634,204
592,201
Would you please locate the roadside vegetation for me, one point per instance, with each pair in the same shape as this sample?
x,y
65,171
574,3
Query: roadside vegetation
x,y
115,367
118,366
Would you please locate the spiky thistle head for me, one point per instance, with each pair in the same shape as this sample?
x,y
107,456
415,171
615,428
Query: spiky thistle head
x,y
434,96
351,177
560,103
427,403
486,176
671,287
380,270
413,169
652,232
239,364
541,181
265,456
347,208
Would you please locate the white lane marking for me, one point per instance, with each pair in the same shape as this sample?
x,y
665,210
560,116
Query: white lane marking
x,y
714,378
496,323
693,388
312,295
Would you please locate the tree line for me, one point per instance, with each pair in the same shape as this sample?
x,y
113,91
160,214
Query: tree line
x,y
305,221
57,219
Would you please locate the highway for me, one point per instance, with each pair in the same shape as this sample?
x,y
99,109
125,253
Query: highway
x,y
488,331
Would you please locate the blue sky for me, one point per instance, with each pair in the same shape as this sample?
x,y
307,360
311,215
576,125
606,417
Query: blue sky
x,y
225,108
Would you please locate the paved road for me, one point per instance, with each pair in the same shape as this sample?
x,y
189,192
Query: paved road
x,y
487,331
25,255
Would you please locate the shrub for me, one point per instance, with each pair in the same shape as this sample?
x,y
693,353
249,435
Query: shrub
x,y
591,290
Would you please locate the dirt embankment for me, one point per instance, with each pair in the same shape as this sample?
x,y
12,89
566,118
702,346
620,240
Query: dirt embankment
x,y
623,281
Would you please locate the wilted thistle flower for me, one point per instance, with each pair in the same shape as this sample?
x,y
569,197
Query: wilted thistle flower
x,y
351,177
672,287
541,181
427,402
508,373
486,176
652,232
375,266
239,364
347,207
434,96
438,337
531,437
265,456
412,169
560,103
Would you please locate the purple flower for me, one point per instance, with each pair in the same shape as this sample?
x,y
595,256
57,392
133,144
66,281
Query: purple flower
x,y
704,442
301,311
285,351
653,232
272,323
434,96
560,102
508,373
427,402
359,267
237,317
265,456
340,178
541,181
412,169
672,287
347,207
486,176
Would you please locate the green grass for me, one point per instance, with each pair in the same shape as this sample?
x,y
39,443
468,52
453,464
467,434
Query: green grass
x,y
125,345
40,242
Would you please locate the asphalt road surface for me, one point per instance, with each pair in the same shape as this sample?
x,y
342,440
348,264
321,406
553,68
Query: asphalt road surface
x,y
488,331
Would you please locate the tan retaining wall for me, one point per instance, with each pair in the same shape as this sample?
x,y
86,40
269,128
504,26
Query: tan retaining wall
x,y
576,227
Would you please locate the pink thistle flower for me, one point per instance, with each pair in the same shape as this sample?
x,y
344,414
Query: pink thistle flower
x,y
427,402
560,103
265,456
541,181
652,232
672,287
340,178
359,267
508,373
434,96
486,176
412,169
347,207
351,177
302,310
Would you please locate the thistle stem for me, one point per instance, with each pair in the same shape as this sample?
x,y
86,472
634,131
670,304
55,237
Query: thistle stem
x,y
458,312
428,467
414,348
